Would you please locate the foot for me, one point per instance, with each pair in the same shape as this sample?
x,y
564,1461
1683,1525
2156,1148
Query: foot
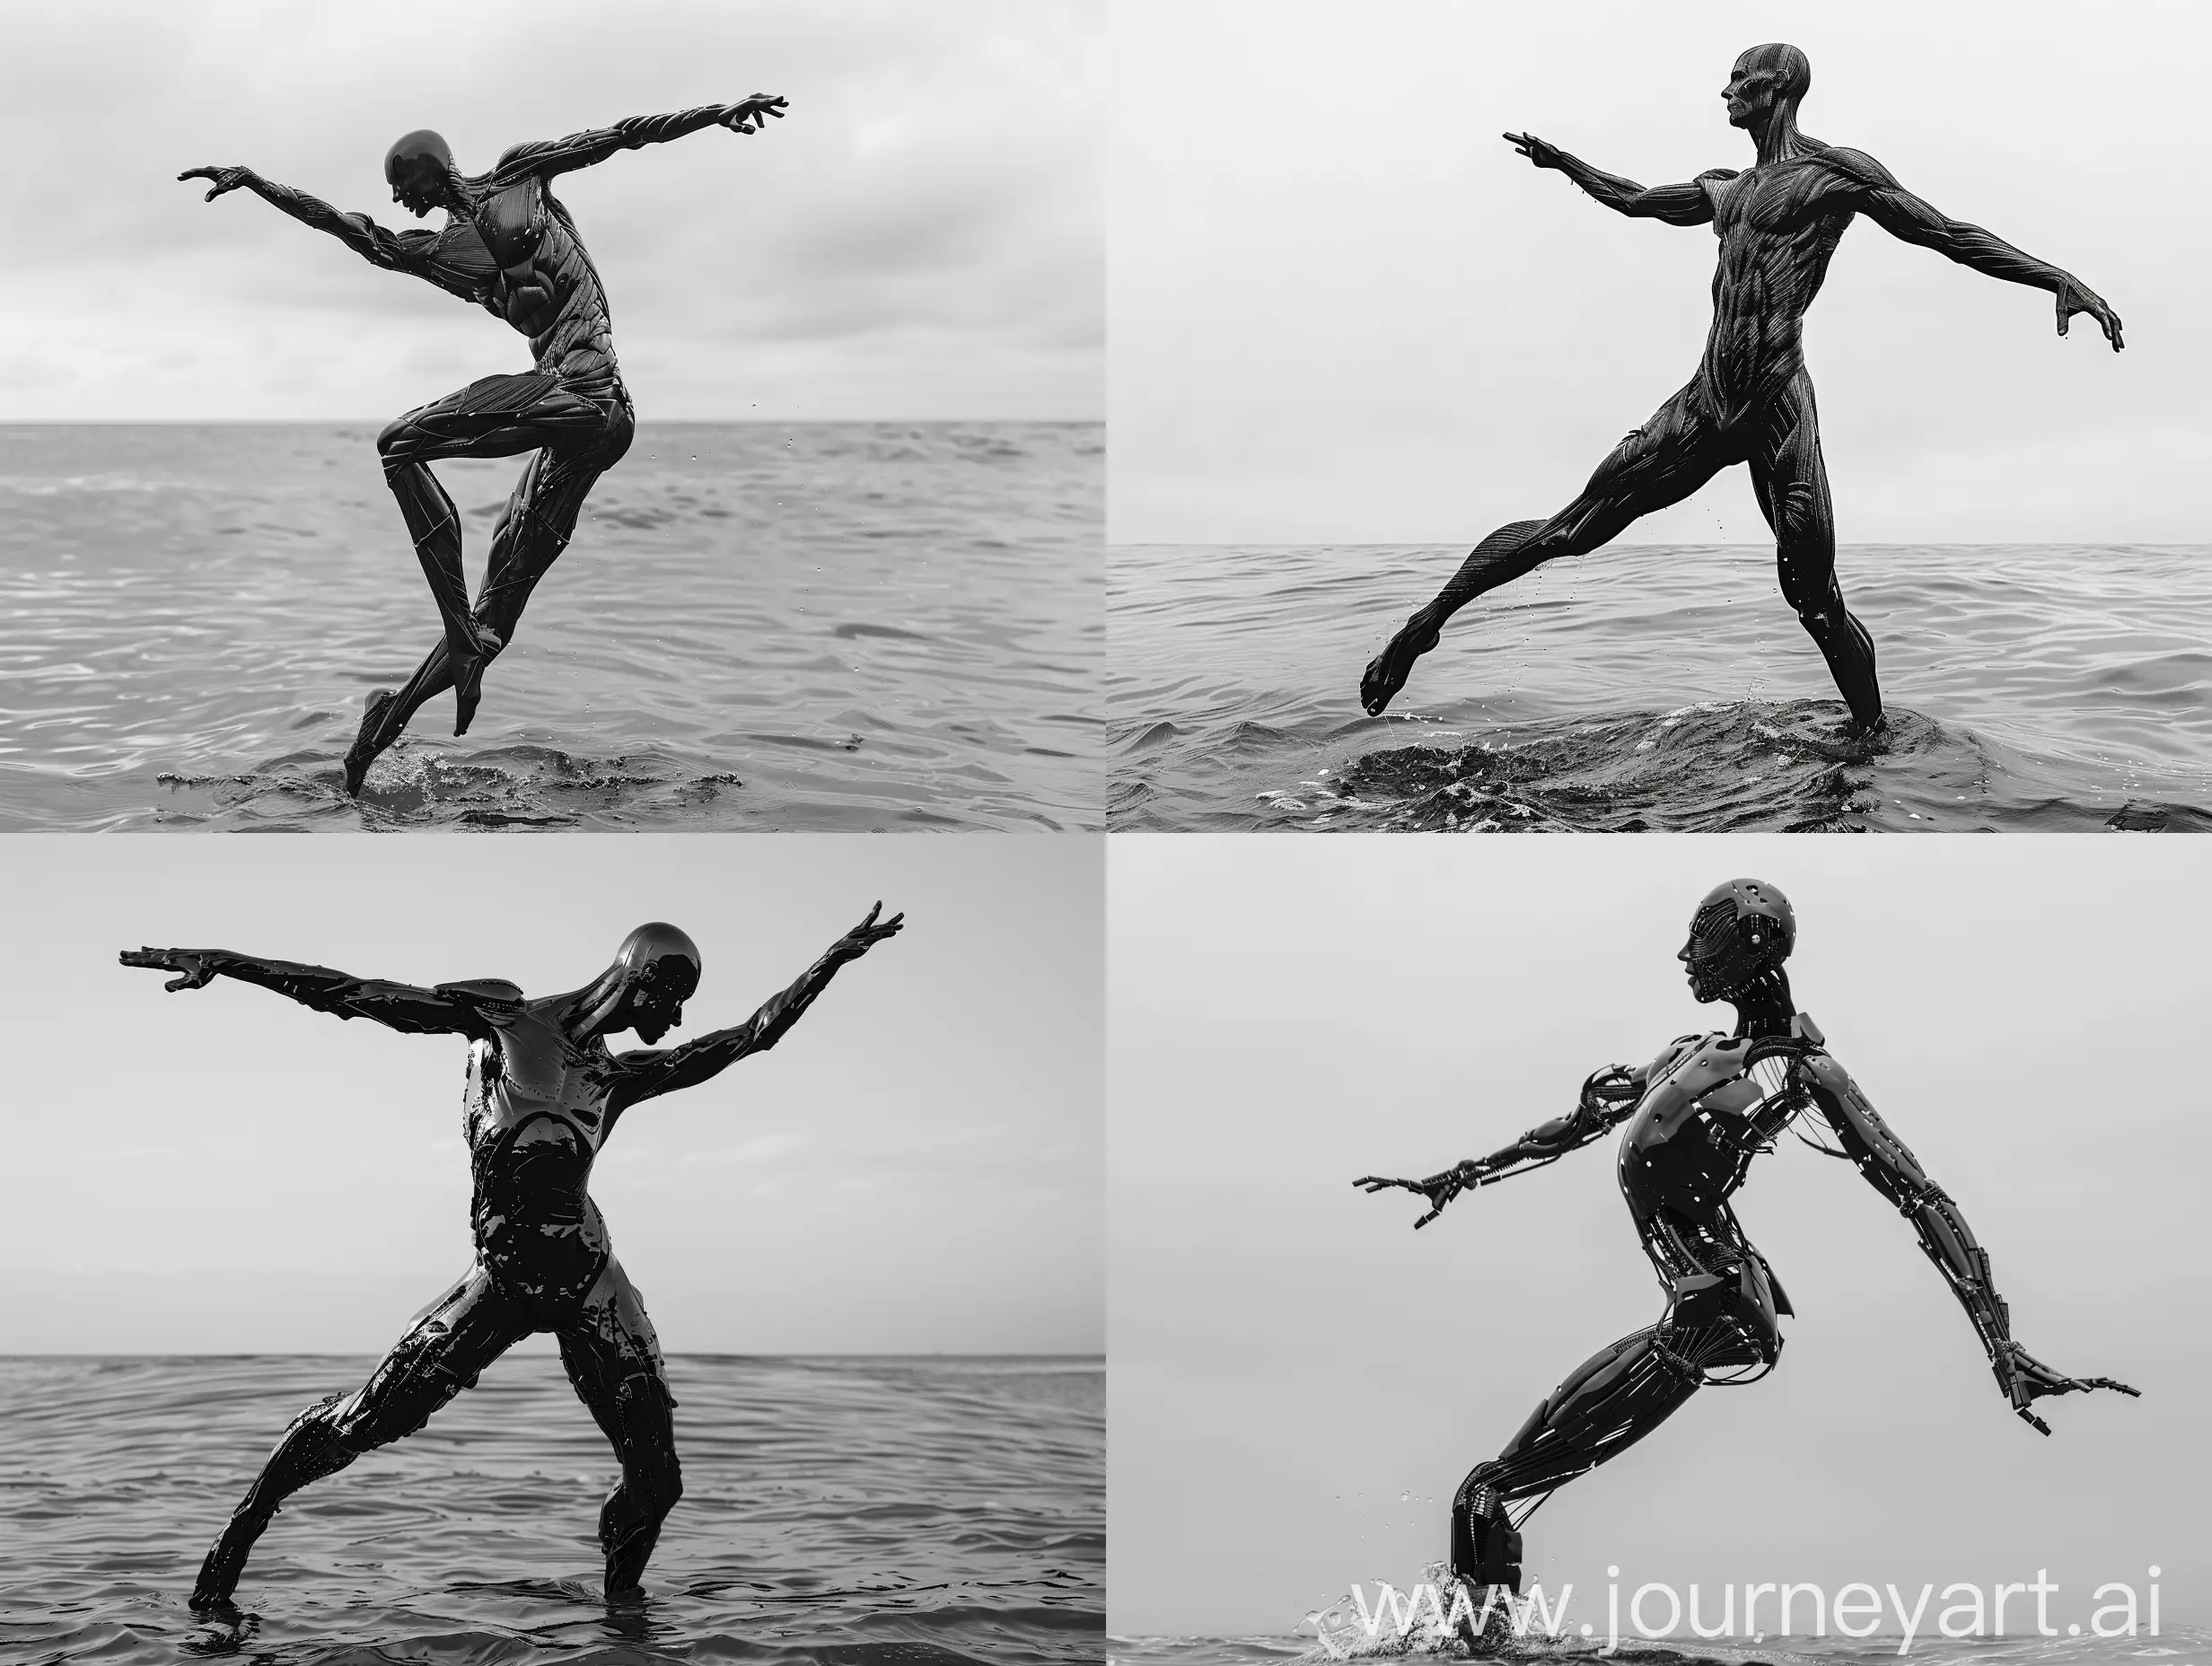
x,y
1489,1554
218,1574
1387,672
467,662
369,740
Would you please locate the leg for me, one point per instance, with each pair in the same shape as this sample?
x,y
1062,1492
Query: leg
x,y
533,529
448,1343
1663,462
497,416
1791,482
1722,1315
614,1360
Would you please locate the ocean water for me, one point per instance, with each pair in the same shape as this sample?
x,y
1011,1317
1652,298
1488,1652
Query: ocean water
x,y
862,1511
832,626
2174,1646
2026,687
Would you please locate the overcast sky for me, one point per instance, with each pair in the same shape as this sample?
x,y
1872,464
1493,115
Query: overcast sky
x,y
921,237
1343,310
915,1167
1300,1380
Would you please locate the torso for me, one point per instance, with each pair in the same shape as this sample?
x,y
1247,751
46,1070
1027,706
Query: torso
x,y
1778,223
1704,1116
534,1115
547,286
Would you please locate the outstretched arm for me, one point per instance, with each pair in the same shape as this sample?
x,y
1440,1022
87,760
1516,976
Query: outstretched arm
x,y
458,267
647,1074
1893,1171
1607,1099
1677,204
1908,218
450,1009
547,157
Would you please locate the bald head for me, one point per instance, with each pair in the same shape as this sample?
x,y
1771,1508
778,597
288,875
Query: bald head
x,y
416,167
1764,88
660,954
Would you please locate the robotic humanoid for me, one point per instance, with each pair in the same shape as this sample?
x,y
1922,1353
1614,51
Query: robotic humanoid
x,y
1751,399
543,1093
1696,1115
508,246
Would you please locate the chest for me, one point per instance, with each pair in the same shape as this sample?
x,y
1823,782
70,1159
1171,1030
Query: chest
x,y
530,1067
1713,1098
1779,200
513,222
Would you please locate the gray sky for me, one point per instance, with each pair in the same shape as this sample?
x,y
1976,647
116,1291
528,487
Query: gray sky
x,y
1290,1358
921,237
1342,309
915,1167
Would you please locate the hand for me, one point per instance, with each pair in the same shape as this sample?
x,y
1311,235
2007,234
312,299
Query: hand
x,y
231,179
1438,1188
1528,145
750,115
2076,297
2026,1378
196,965
865,936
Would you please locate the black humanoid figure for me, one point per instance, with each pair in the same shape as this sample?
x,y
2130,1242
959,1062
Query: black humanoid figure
x,y
1698,1115
510,247
543,1094
1752,400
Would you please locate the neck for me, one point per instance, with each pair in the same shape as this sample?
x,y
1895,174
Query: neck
x,y
1778,137
1763,1006
597,1009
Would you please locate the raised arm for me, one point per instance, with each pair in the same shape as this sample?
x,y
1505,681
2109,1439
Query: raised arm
x,y
456,264
1607,1100
648,1074
1908,219
1677,204
1946,1238
450,1009
547,157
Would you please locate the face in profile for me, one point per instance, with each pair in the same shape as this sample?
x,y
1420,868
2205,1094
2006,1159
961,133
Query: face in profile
x,y
657,997
415,183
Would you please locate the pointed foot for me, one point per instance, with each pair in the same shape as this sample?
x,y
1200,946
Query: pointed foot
x,y
369,740
1387,672
218,1574
467,666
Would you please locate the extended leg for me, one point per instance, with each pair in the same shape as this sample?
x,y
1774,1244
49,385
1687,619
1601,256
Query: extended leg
x,y
1663,462
448,1343
1721,1316
497,416
1791,482
614,1361
533,529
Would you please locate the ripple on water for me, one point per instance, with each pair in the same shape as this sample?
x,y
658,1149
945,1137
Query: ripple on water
x,y
2044,687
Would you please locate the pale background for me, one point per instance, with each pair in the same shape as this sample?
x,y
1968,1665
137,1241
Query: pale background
x,y
920,236
915,1167
1342,309
1300,1380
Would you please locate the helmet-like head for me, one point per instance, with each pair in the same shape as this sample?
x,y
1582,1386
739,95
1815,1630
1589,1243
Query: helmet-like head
x,y
416,167
658,970
1741,931
1762,78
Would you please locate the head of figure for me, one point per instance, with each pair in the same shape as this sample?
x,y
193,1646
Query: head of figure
x,y
1741,932
1766,80
416,167
657,970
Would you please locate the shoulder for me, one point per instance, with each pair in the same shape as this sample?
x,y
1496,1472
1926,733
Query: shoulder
x,y
1857,166
489,993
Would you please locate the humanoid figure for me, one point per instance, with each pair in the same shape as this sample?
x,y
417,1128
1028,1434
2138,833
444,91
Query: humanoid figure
x,y
543,1093
1698,1115
1751,399
508,246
